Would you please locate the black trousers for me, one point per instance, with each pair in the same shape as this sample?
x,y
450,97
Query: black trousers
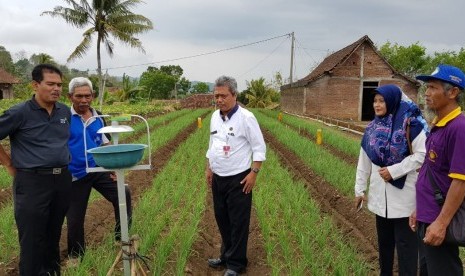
x,y
438,260
40,202
232,212
392,234
81,188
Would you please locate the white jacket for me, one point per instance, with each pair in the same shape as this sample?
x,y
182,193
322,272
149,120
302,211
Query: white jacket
x,y
384,199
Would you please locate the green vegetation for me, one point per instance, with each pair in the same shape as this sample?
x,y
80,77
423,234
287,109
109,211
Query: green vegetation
x,y
259,94
163,83
8,233
6,104
6,181
167,215
318,159
295,231
331,136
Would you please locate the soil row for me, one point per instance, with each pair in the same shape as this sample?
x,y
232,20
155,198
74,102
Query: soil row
x,y
357,227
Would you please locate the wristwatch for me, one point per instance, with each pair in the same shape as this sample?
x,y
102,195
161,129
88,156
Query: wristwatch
x,y
255,170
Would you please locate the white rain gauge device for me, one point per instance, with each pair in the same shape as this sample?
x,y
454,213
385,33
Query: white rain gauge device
x,y
118,158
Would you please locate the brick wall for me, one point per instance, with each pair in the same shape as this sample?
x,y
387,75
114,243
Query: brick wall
x,y
292,100
198,101
338,99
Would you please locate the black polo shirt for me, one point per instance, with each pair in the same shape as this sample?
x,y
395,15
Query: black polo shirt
x,y
37,139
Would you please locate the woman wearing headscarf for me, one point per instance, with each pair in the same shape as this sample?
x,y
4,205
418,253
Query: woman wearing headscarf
x,y
393,148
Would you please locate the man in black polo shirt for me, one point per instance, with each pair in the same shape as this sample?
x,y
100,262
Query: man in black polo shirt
x,y
39,132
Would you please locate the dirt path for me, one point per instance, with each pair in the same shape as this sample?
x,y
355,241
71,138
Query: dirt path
x,y
5,196
359,228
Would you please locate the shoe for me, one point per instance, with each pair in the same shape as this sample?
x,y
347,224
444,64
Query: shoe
x,y
72,262
216,263
230,272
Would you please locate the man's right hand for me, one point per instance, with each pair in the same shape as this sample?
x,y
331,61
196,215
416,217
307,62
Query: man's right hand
x,y
11,170
6,161
412,221
358,201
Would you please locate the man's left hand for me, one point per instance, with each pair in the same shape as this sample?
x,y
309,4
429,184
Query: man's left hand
x,y
435,234
249,182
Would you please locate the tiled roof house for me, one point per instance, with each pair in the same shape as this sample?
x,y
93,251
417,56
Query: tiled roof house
x,y
341,85
6,84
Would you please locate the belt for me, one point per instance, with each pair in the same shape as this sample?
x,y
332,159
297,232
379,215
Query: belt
x,y
58,170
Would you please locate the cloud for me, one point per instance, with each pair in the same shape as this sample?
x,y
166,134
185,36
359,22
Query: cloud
x,y
186,28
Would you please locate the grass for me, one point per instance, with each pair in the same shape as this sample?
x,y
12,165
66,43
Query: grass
x,y
6,180
331,136
8,233
299,239
167,215
318,159
159,137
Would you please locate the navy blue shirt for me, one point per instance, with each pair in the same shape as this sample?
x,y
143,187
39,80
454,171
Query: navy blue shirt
x,y
37,139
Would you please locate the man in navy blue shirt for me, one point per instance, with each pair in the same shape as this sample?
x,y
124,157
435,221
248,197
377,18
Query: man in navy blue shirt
x,y
39,132
81,96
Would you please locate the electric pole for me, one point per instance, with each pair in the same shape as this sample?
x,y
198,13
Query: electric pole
x,y
292,59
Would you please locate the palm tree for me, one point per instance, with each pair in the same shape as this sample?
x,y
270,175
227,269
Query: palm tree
x,y
105,18
41,58
130,90
258,93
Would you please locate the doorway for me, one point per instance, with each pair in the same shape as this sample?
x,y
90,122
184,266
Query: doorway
x,y
368,97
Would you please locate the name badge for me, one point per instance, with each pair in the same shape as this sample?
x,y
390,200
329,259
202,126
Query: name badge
x,y
226,150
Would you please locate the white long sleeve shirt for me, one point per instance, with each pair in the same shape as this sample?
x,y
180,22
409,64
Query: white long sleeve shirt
x,y
384,199
234,143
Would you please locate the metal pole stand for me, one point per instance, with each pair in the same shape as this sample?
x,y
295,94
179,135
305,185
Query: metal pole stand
x,y
104,157
131,255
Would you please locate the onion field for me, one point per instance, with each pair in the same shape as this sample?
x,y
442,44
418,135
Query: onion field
x,y
303,221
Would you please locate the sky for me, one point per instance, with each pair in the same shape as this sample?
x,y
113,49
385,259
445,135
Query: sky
x,y
186,28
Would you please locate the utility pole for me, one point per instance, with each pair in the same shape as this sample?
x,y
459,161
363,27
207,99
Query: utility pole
x,y
292,58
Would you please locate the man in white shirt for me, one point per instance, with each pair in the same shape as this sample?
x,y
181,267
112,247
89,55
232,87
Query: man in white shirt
x,y
235,154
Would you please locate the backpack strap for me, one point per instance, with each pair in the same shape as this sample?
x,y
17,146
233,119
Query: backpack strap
x,y
438,197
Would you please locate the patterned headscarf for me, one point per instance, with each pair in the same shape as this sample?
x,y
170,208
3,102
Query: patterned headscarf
x,y
385,140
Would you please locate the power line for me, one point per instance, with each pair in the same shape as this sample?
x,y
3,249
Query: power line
x,y
304,49
258,63
198,55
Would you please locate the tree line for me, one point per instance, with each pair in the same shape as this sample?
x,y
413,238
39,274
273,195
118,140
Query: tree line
x,y
167,81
